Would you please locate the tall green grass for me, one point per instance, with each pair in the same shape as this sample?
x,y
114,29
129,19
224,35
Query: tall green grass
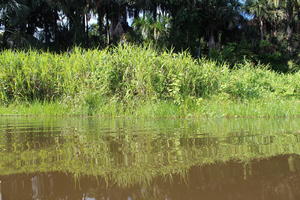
x,y
138,80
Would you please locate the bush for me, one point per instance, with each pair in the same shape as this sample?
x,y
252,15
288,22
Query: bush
x,y
128,73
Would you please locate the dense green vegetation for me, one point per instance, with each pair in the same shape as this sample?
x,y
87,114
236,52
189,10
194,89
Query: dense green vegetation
x,y
207,57
264,31
139,80
130,152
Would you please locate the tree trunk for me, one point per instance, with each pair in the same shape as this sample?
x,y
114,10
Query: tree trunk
x,y
87,28
77,26
261,27
5,35
136,13
211,42
100,21
47,34
154,12
289,32
289,29
107,30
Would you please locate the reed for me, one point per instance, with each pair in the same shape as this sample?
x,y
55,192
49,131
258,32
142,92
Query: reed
x,y
141,81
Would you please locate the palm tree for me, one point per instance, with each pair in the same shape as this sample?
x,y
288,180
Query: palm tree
x,y
259,8
13,15
152,29
291,9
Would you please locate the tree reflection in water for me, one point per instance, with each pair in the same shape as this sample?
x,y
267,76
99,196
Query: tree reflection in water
x,y
171,159
269,179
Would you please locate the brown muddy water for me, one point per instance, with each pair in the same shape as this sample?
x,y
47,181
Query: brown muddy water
x,y
126,159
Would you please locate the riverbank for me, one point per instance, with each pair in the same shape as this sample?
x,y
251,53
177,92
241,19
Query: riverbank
x,y
141,82
203,109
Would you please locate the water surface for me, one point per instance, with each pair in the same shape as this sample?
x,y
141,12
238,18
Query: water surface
x,y
93,159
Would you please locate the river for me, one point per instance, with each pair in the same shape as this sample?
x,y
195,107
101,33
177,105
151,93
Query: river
x,y
151,159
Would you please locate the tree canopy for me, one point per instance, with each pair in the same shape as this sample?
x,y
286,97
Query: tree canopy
x,y
252,28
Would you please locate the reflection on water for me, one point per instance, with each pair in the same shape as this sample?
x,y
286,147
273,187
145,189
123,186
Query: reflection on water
x,y
93,159
259,179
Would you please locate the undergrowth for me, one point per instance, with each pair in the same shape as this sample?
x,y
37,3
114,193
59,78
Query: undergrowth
x,y
140,81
